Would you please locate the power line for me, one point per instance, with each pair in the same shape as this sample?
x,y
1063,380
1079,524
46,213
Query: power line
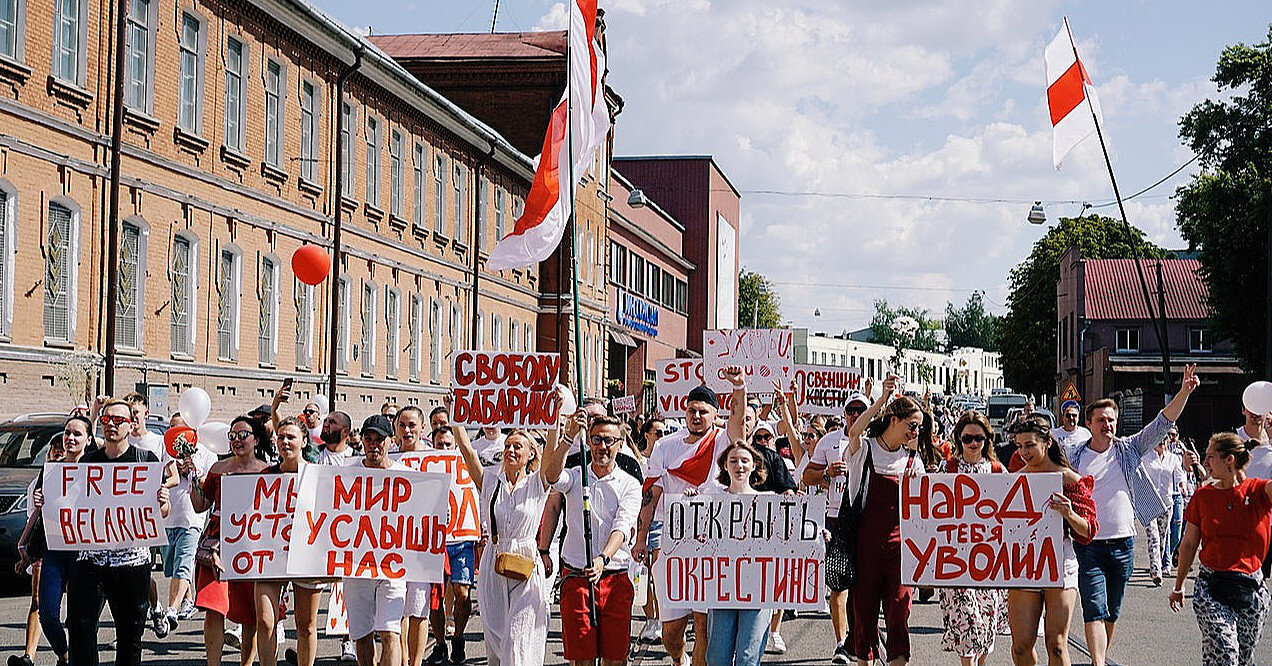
x,y
872,286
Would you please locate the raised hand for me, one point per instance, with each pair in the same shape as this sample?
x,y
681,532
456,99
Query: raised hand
x,y
735,376
869,387
1190,381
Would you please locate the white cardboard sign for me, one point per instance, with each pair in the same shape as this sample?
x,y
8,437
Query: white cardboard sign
x,y
822,389
504,389
766,356
623,405
676,378
256,523
102,506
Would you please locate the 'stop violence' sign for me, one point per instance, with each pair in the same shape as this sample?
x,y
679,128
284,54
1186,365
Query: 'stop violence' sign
x,y
981,530
676,378
504,389
764,354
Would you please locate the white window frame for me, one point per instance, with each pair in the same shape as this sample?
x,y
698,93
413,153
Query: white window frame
x,y
190,102
305,297
343,349
514,335
496,332
421,168
1199,344
461,195
439,193
1122,340
71,267
236,88
415,321
393,331
190,297
14,48
229,298
146,25
372,134
396,173
531,343
481,332
436,323
62,26
8,255
139,288
480,205
370,301
268,291
456,328
275,135
310,145
350,165
500,215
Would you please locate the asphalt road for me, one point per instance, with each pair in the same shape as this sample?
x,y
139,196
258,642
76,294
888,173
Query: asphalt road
x,y
1149,633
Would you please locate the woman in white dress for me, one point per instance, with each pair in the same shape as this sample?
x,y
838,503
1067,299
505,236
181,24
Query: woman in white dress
x,y
515,612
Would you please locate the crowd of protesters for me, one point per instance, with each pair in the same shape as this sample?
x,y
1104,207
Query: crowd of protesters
x,y
1203,511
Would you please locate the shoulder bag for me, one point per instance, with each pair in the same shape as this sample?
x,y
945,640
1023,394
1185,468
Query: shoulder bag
x,y
841,551
513,566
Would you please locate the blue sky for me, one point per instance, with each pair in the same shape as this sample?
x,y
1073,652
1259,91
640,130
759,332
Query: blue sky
x,y
943,98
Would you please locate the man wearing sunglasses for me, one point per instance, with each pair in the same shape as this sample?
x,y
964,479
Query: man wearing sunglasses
x,y
1070,432
120,577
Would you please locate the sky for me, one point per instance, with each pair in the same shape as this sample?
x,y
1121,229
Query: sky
x,y
889,148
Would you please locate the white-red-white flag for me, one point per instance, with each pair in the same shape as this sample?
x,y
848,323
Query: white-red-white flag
x,y
1068,91
580,120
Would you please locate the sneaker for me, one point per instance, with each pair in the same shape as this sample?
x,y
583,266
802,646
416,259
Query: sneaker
x,y
840,656
651,633
187,610
232,639
289,656
775,644
347,654
457,655
159,623
24,660
171,619
438,655
1157,581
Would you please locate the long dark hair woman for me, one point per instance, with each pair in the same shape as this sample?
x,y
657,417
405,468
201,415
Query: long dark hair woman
x,y
888,439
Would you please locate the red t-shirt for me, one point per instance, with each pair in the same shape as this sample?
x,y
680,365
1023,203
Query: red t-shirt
x,y
1234,525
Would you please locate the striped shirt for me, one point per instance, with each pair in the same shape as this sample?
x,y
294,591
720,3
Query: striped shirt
x,y
1145,501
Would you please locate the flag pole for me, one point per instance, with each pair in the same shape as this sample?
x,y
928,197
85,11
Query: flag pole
x,y
1158,319
578,332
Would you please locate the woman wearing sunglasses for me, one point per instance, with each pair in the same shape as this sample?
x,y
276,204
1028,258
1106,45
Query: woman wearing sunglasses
x,y
221,599
972,615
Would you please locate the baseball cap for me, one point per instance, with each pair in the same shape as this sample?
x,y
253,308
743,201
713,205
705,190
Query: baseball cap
x,y
764,425
703,394
856,396
378,423
261,409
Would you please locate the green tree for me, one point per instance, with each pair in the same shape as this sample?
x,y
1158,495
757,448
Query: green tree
x,y
883,332
758,302
971,326
1028,341
1223,211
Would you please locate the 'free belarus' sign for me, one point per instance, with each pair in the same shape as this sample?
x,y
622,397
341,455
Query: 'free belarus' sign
x,y
102,506
504,389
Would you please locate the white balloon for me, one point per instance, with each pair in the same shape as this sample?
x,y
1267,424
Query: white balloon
x,y
195,405
214,437
320,401
569,404
1257,398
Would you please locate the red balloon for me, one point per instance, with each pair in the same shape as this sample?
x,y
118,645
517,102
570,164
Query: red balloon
x,y
311,264
180,441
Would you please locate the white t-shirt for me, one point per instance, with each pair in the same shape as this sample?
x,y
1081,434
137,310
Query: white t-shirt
x,y
1166,472
615,506
489,451
670,452
151,442
1111,496
182,513
1066,438
831,447
1260,466
328,457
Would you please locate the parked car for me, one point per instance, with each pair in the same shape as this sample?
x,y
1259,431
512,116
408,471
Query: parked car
x,y
24,443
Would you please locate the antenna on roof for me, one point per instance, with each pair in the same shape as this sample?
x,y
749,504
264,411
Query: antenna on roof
x,y
495,17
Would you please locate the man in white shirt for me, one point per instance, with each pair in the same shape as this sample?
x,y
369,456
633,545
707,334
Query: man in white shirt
x,y
1069,433
1256,428
615,501
680,461
336,449
489,446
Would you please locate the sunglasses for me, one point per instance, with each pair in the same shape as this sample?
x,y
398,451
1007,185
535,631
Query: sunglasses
x,y
855,411
763,436
968,439
308,412
914,426
238,435
810,435
597,440
659,432
108,419
1030,425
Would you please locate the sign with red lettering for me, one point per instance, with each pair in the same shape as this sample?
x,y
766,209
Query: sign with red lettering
x,y
676,378
256,524
766,356
504,389
822,389
465,521
98,506
742,551
623,405
357,522
981,530
337,617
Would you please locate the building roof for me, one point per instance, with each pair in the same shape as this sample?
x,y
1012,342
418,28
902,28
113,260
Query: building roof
x,y
681,158
510,45
1113,289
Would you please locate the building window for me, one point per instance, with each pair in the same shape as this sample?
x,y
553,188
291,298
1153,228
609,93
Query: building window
x,y
373,161
417,213
435,343
480,342
273,112
393,321
415,321
456,329
1198,341
342,334
496,332
229,281
60,265
309,131
368,328
140,55
11,28
514,335
346,143
500,216
235,113
531,343
7,215
183,298
267,326
304,298
682,297
131,269
439,194
396,174
190,116
461,200
1128,340
68,38
481,209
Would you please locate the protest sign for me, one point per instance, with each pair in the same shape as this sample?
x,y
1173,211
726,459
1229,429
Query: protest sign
x,y
465,522
981,530
504,389
742,551
676,378
764,354
96,506
623,405
357,522
256,523
822,389
337,616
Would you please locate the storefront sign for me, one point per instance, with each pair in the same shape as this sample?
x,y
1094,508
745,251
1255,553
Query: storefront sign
x,y
635,312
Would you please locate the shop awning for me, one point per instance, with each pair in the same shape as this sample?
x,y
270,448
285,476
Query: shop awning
x,y
621,338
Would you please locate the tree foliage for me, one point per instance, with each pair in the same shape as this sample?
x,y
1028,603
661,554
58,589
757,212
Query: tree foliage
x,y
1028,341
971,326
883,332
1224,211
758,303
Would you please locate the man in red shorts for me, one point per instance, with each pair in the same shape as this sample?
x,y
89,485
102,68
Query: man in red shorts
x,y
615,506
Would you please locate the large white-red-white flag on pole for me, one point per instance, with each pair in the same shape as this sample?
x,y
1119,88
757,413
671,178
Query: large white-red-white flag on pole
x,y
1071,99
582,113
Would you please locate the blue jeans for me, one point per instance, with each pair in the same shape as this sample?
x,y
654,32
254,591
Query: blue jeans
x,y
55,567
737,637
1104,567
1176,524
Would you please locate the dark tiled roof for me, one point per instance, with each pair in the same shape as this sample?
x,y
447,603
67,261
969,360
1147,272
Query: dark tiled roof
x,y
473,46
1113,289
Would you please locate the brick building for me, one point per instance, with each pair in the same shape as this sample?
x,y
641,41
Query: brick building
x,y
228,167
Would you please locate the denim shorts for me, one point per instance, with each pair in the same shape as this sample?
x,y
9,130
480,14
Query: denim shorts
x,y
178,555
463,559
654,542
1104,567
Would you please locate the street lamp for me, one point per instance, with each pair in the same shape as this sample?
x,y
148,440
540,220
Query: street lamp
x,y
1036,214
637,199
